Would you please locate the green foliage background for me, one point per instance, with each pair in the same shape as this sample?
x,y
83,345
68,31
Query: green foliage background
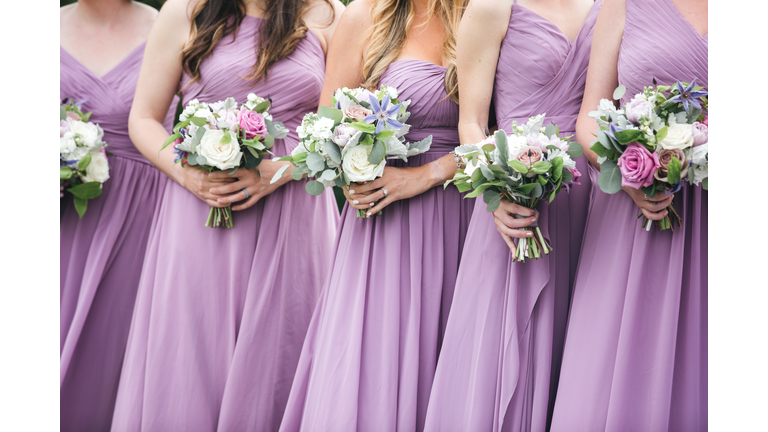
x,y
157,4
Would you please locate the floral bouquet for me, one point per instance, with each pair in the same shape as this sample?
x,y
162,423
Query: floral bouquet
x,y
224,136
351,142
654,142
529,166
83,163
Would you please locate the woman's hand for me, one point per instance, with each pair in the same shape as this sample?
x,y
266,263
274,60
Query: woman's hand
x,y
395,184
653,208
507,224
255,181
199,183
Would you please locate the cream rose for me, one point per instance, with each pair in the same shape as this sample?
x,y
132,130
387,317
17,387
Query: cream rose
x,y
679,137
357,167
217,154
98,169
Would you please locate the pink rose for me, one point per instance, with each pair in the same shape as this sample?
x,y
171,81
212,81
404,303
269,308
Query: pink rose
x,y
252,123
700,133
73,115
576,175
356,112
529,155
665,156
637,166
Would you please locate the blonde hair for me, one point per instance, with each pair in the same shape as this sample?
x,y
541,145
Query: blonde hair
x,y
391,20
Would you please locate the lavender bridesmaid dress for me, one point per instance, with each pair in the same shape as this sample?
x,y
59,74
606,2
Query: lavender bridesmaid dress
x,y
505,333
636,350
221,313
101,254
371,350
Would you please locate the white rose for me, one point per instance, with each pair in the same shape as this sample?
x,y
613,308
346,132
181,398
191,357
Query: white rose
x,y
222,156
679,137
357,167
66,144
90,134
514,144
98,169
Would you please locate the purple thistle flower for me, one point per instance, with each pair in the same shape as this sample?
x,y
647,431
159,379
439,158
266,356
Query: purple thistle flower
x,y
382,113
688,96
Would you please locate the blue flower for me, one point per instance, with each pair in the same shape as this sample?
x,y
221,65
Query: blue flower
x,y
382,113
688,96
675,188
612,129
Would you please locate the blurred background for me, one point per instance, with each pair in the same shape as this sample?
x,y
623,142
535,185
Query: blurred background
x,y
157,4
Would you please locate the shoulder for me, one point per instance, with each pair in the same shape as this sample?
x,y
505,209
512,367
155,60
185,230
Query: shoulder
x,y
321,17
178,9
488,9
358,10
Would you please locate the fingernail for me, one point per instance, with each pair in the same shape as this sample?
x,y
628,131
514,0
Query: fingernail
x,y
368,214
351,191
530,233
372,204
355,202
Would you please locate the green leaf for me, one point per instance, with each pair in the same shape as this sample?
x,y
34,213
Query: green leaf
x,y
476,175
487,173
542,180
269,141
367,140
567,176
557,169
384,134
315,162
297,174
377,153
198,121
279,174
526,188
551,130
662,133
314,187
705,183
500,137
65,173
537,190
81,205
62,113
339,181
518,166
650,191
673,170
628,136
492,198
619,92
604,139
488,148
552,194
84,162
479,190
610,177
170,140
226,139
598,148
181,125
334,152
541,167
575,150
263,106
364,127
331,113
86,190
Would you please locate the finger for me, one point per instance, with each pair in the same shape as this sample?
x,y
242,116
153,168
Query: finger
x,y
510,232
654,216
226,189
233,198
224,175
370,186
380,206
359,206
370,198
656,206
212,203
510,207
510,243
512,222
250,202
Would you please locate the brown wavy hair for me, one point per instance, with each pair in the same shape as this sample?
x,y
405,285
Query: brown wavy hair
x,y
391,20
280,32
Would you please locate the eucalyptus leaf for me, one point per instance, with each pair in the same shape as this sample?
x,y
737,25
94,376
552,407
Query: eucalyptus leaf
x,y
328,175
705,183
192,159
279,174
315,162
604,139
500,137
567,177
550,130
619,92
314,187
262,107
198,121
339,181
232,171
331,113
575,150
201,160
377,153
334,152
610,177
65,173
537,191
297,174
492,198
518,166
650,191
62,113
487,173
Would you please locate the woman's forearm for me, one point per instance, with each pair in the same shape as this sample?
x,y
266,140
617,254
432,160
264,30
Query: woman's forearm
x,y
148,135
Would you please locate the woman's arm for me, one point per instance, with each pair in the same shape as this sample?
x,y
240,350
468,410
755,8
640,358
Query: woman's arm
x,y
602,80
158,81
322,17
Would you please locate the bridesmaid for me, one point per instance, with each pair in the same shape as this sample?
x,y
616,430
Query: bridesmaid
x,y
371,350
636,351
221,313
102,45
499,363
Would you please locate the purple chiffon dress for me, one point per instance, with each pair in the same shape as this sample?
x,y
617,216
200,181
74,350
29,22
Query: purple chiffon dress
x,y
221,313
499,363
101,254
636,349
371,349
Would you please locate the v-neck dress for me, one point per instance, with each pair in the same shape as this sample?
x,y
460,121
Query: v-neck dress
x,y
101,255
500,359
636,349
